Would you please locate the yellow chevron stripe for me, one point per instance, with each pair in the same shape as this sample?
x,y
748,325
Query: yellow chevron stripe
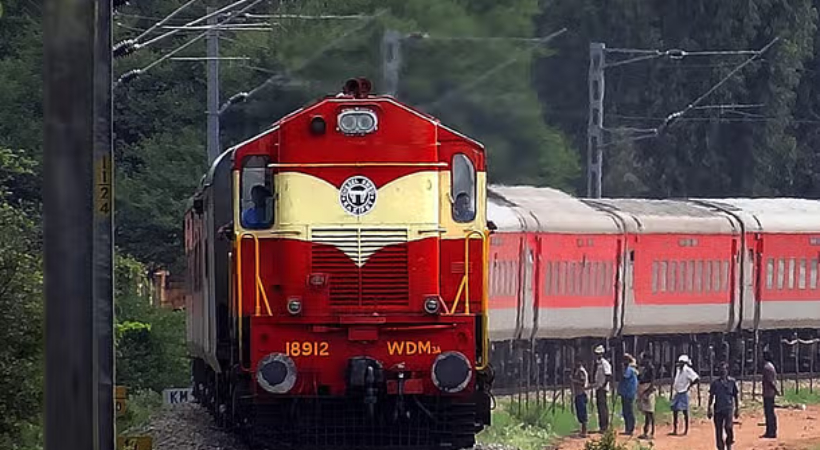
x,y
418,203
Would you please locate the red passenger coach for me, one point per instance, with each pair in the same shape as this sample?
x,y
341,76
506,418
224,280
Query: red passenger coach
x,y
712,279
338,271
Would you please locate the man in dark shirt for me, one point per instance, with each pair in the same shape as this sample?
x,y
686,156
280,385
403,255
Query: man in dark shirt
x,y
723,402
646,395
770,391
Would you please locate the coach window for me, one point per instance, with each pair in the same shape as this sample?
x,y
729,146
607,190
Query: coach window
x,y
791,273
770,274
673,271
813,274
690,276
257,193
801,277
547,277
562,287
707,276
655,269
662,277
781,273
463,189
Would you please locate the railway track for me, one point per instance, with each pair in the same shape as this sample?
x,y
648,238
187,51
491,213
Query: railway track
x,y
190,427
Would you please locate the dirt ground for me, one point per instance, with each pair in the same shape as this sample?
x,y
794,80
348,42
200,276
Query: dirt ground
x,y
797,430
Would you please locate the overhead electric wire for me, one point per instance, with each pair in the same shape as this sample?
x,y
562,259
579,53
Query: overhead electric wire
x,y
722,119
243,96
676,116
307,17
671,117
138,16
447,96
166,19
136,72
199,20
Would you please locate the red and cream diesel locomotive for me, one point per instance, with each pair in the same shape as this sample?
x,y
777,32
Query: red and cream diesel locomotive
x,y
337,266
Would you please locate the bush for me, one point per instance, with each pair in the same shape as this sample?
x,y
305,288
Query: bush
x,y
151,349
141,404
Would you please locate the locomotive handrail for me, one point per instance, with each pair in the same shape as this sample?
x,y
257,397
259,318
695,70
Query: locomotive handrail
x,y
259,286
464,286
485,300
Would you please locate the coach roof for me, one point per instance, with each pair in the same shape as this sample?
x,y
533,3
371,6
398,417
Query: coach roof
x,y
545,209
773,215
667,216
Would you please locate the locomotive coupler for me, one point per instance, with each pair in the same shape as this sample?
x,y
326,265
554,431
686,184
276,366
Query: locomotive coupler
x,y
400,409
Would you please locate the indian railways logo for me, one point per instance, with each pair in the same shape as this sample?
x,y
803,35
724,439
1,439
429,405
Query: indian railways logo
x,y
358,195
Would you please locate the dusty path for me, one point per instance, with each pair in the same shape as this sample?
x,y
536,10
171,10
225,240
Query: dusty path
x,y
798,430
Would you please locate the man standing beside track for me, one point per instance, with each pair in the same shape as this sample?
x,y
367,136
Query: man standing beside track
x,y
646,395
628,389
723,394
602,378
770,391
685,377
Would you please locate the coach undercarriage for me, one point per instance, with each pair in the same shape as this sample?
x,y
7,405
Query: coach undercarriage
x,y
546,364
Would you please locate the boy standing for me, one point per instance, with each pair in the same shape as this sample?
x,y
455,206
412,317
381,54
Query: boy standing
x,y
580,383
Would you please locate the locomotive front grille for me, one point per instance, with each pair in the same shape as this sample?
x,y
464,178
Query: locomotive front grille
x,y
365,265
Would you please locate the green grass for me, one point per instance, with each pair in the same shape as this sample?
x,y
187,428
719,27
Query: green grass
x,y
510,430
533,426
803,397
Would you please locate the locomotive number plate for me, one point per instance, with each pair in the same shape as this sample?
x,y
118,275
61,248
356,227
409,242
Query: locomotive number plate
x,y
307,349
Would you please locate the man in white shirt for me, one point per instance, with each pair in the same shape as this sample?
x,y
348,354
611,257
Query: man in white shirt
x,y
601,380
685,377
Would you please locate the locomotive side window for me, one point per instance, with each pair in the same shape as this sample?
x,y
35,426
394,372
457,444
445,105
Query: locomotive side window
x,y
257,193
463,189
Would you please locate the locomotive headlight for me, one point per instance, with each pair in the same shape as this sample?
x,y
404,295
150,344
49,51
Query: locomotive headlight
x,y
276,373
451,372
365,122
347,123
294,306
432,305
357,121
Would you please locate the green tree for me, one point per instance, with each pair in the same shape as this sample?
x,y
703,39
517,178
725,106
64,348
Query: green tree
x,y
707,153
21,324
